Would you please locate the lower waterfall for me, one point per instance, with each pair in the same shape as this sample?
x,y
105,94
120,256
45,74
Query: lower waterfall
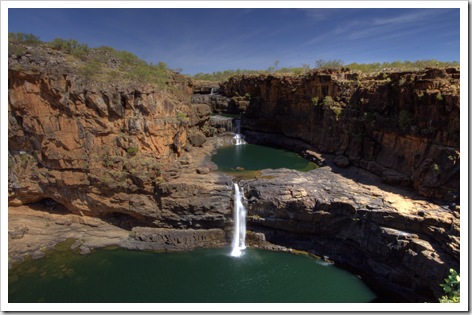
x,y
239,233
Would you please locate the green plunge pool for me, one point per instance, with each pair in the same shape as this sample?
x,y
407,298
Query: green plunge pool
x,y
204,275
252,157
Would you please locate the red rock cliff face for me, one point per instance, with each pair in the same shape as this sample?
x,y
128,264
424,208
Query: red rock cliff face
x,y
403,126
95,149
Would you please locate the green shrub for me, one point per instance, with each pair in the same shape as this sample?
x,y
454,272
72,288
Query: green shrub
x,y
405,120
439,96
23,38
132,151
17,42
17,50
451,287
70,46
91,70
328,101
314,100
181,116
329,64
337,111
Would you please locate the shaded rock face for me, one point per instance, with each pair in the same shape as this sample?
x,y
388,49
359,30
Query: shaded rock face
x,y
397,244
403,126
218,103
210,94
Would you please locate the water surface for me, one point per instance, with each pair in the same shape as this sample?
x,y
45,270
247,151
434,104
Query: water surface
x,y
252,157
205,275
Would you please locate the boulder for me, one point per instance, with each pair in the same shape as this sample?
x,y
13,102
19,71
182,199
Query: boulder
x,y
197,138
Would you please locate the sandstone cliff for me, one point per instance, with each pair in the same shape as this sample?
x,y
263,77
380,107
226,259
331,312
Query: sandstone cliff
x,y
402,126
98,148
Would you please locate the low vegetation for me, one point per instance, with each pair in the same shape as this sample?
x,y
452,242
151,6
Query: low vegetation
x,y
451,287
405,120
103,64
367,68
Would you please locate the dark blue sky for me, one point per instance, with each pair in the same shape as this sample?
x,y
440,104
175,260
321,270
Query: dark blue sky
x,y
207,40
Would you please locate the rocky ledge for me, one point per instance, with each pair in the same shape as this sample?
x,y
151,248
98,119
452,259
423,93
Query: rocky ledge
x,y
396,241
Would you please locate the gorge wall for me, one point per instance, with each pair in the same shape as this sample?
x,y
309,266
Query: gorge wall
x,y
402,126
100,148
398,243
130,165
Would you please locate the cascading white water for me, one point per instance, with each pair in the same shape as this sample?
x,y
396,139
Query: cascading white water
x,y
238,137
238,140
239,233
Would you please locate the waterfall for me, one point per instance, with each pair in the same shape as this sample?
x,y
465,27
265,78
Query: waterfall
x,y
238,137
239,233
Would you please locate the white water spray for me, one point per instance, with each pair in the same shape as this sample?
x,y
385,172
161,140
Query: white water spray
x,y
239,233
238,137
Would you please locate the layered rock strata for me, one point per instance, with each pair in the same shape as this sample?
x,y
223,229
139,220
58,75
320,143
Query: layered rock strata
x,y
396,241
402,126
125,156
99,149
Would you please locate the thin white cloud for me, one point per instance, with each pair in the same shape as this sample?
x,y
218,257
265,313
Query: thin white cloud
x,y
410,17
384,26
319,14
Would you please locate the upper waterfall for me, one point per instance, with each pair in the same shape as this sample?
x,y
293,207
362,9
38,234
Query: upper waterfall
x,y
238,137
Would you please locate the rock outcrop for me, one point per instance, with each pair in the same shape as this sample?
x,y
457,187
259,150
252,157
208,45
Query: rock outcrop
x,y
398,243
402,126
105,150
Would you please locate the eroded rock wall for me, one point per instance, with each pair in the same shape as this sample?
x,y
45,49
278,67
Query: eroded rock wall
x,y
396,242
97,148
402,126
